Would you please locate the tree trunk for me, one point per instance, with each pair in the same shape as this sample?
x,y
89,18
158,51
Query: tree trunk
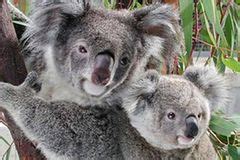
x,y
173,2
12,70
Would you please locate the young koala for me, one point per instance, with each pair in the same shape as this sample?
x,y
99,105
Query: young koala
x,y
172,113
166,118
82,53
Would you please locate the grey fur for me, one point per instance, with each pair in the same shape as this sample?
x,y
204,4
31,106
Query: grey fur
x,y
58,27
65,121
67,131
216,88
149,100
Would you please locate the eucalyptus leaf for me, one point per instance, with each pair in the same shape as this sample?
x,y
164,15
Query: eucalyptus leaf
x,y
229,30
236,119
8,153
212,15
139,5
186,13
107,4
237,1
219,63
234,152
207,25
133,4
232,64
222,126
205,36
210,11
4,140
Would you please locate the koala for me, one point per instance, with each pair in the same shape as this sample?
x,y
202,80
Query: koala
x,y
83,53
172,113
65,130
160,117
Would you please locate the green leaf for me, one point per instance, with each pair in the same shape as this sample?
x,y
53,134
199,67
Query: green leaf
x,y
139,5
229,29
231,63
113,4
234,152
4,140
237,1
212,15
205,36
8,153
186,13
210,10
133,4
219,63
236,20
236,119
211,36
106,4
222,126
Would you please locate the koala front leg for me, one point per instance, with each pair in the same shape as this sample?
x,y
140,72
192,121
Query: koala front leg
x,y
19,101
13,97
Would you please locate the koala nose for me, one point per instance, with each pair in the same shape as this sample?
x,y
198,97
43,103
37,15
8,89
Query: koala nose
x,y
101,73
192,126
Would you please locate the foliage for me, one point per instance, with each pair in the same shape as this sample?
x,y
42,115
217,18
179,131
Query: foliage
x,y
225,135
6,155
23,5
215,24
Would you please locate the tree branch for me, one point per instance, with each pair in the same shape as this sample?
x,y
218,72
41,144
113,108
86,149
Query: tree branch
x,y
12,70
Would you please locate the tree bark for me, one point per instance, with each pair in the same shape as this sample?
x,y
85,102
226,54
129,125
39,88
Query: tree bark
x,y
173,2
12,70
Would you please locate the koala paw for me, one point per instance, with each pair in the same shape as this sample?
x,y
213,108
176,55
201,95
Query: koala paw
x,y
6,92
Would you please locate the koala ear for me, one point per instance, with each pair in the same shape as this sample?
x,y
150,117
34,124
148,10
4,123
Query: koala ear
x,y
213,85
146,83
46,19
161,21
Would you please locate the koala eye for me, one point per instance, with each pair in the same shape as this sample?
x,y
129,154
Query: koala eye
x,y
199,115
82,49
124,61
171,115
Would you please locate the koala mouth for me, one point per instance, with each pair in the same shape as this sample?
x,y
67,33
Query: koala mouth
x,y
183,140
93,89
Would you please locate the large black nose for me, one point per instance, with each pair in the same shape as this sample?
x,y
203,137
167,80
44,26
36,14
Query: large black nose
x,y
192,127
101,73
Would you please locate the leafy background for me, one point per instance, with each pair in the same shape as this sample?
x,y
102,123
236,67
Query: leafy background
x,y
215,25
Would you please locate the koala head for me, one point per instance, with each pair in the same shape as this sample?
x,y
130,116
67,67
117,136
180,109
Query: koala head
x,y
95,50
173,112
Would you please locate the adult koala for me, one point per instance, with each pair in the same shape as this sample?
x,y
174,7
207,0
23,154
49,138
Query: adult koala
x,y
83,53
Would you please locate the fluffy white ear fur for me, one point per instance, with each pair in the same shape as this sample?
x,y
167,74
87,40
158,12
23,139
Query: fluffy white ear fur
x,y
147,82
213,85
